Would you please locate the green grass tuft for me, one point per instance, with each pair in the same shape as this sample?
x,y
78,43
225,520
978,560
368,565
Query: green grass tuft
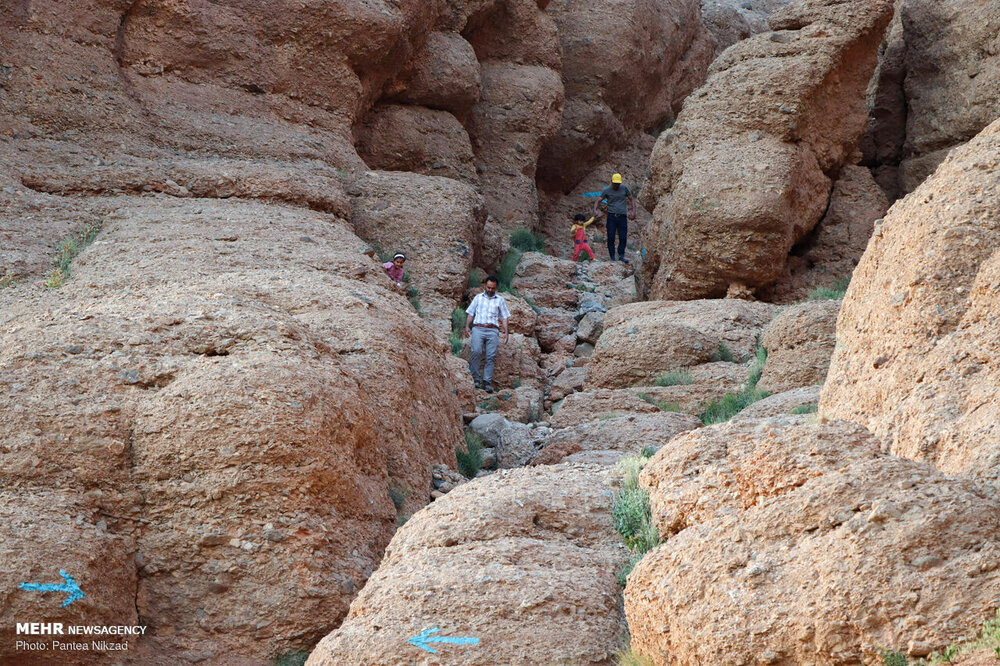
x,y
894,659
757,367
475,278
456,342
458,318
729,405
676,377
7,280
505,273
629,657
631,514
722,354
834,292
806,409
470,461
68,251
662,405
524,240
294,658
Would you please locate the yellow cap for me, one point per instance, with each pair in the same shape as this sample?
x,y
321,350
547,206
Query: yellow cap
x,y
617,178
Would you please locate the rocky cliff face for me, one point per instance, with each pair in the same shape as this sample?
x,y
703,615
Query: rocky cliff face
x,y
916,336
746,171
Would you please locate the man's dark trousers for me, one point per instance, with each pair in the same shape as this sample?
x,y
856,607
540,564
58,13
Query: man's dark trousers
x,y
617,224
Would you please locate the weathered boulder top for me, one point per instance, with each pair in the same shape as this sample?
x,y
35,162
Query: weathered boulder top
x,y
746,170
521,564
802,541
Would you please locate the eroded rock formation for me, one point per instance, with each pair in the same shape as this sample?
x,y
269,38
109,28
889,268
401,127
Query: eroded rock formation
x,y
801,543
746,172
916,336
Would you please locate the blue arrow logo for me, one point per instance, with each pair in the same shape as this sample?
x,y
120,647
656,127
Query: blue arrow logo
x,y
70,587
591,194
425,637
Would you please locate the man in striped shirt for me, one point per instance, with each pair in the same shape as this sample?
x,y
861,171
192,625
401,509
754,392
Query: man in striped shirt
x,y
487,315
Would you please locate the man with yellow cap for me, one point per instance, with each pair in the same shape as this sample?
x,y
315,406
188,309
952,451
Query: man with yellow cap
x,y
618,214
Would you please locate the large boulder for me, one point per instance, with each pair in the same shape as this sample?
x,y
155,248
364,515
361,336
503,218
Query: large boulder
x,y
917,334
220,393
795,543
626,67
745,173
799,343
641,341
530,550
435,221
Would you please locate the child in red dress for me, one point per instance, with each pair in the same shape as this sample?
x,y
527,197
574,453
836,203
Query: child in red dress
x,y
580,243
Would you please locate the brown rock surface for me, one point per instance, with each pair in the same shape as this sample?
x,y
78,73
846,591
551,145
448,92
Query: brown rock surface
x,y
729,21
799,343
917,332
803,544
769,100
435,221
626,434
414,138
444,75
626,67
952,71
518,111
781,404
223,389
643,340
530,549
834,247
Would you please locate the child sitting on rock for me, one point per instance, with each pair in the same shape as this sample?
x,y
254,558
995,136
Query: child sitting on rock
x,y
579,230
394,268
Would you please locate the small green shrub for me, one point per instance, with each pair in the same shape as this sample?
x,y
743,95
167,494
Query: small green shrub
x,y
662,405
524,240
470,461
633,519
413,295
757,367
455,340
7,280
729,405
806,409
834,292
723,354
398,496
294,658
630,511
626,569
475,278
505,273
629,657
676,377
68,251
458,318
894,659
